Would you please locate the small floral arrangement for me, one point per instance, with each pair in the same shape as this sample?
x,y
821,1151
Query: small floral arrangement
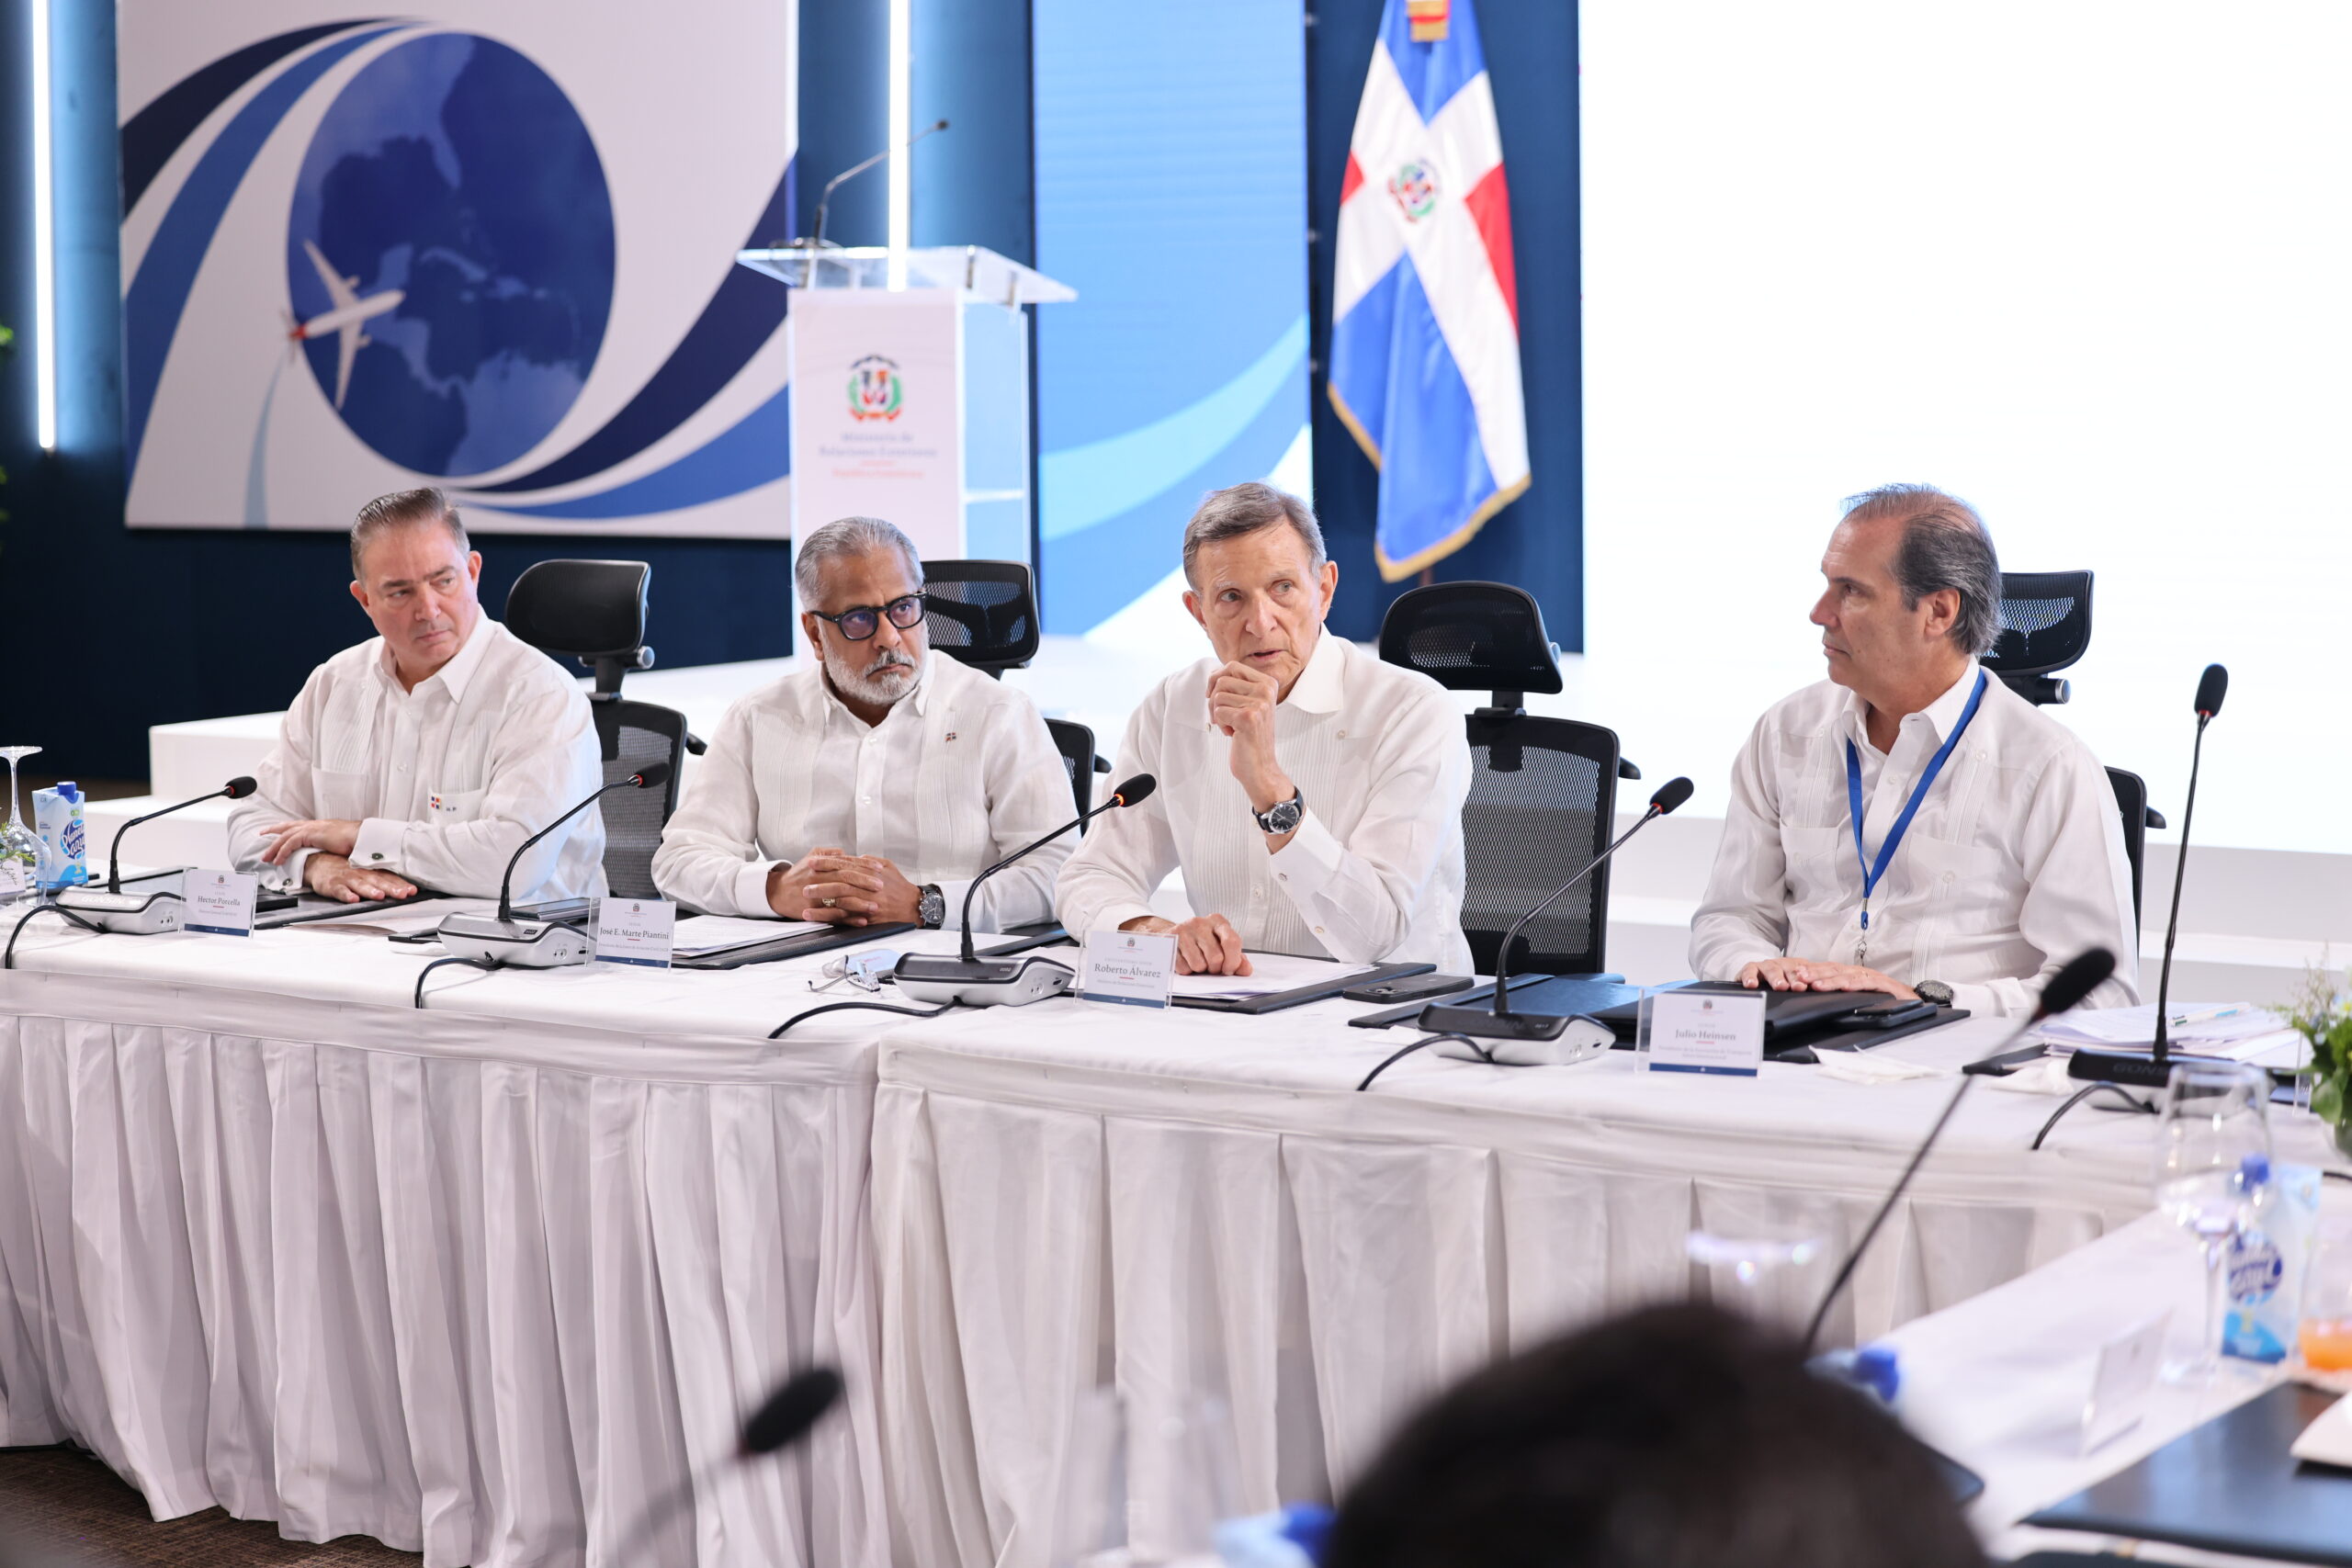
x,y
2322,1013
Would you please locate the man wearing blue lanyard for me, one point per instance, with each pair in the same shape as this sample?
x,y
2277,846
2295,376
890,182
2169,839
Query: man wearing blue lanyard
x,y
1910,825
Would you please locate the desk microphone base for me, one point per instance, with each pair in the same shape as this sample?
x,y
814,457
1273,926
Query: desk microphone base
x,y
981,982
125,914
1481,1024
514,945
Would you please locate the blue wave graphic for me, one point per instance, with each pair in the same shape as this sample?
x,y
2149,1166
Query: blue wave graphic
x,y
754,451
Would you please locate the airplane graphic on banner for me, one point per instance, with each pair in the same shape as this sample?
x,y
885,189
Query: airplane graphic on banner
x,y
344,321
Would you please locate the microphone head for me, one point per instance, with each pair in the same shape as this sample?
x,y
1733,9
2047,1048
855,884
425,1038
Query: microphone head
x,y
1134,791
241,786
939,125
2211,690
653,775
2079,977
1670,794
791,1410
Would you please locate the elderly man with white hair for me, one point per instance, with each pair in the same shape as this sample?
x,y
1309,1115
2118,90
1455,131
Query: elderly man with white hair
x,y
872,786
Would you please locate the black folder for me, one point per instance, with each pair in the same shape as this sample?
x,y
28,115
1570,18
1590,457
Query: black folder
x,y
2230,1486
1299,995
799,946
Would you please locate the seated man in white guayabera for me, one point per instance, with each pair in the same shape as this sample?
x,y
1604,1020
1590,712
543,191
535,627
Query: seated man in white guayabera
x,y
1910,825
1311,794
424,756
875,785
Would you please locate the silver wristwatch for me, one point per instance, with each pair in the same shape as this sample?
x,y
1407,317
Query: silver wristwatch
x,y
1285,816
1934,991
932,907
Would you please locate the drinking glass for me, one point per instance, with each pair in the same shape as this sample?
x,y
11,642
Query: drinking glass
x,y
2210,1133
23,856
2324,1330
1765,1256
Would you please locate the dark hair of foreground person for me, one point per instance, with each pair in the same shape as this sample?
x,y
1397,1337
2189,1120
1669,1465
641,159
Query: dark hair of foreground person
x,y
1676,1437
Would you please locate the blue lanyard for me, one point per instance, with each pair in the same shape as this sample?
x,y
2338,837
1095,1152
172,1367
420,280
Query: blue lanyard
x,y
1871,872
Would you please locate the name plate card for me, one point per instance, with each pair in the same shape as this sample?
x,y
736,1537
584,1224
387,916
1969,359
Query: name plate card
x,y
220,903
2124,1380
1136,969
1704,1032
635,930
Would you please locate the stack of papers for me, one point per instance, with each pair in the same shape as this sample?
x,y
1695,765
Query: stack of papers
x,y
1269,972
698,936
2238,1031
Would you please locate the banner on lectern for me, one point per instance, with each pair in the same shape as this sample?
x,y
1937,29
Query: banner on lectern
x,y
491,248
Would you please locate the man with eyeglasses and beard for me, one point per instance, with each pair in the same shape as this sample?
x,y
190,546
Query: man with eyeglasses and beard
x,y
870,788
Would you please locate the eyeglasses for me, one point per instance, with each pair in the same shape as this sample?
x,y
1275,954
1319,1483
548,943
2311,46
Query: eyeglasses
x,y
862,621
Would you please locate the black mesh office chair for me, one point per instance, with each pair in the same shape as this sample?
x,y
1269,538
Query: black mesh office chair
x,y
2046,627
1542,791
984,614
595,611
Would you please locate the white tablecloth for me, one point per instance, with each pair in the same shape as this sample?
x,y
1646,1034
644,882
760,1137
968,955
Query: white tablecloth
x,y
1195,1205
480,1282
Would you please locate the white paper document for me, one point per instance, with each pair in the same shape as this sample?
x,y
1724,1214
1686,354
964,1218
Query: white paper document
x,y
1269,972
699,935
2206,1023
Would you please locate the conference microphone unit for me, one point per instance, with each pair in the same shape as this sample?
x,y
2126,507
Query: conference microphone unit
x,y
500,940
782,1419
1502,1023
140,914
1004,982
2077,979
2154,1069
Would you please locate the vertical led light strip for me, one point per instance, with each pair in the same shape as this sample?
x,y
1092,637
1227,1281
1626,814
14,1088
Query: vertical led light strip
x,y
44,240
901,112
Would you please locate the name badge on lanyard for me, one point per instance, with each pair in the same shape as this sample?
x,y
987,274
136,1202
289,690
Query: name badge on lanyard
x,y
1874,869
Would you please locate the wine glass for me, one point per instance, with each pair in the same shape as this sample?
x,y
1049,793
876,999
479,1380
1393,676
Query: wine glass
x,y
23,856
2212,1152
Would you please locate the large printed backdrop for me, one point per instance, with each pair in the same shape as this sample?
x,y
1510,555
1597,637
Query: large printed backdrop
x,y
489,247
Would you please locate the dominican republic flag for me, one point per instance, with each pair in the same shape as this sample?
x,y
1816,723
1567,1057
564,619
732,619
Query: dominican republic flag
x,y
1424,304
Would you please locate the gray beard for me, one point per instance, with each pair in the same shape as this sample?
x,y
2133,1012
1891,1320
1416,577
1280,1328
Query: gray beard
x,y
851,681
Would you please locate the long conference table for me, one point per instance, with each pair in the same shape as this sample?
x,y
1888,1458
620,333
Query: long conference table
x,y
486,1280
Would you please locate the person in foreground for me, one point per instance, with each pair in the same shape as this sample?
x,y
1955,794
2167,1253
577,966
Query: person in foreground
x,y
1311,794
874,785
1989,849
421,758
1677,1436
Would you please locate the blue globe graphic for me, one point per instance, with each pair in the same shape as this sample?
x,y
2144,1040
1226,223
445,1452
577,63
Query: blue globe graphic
x,y
454,170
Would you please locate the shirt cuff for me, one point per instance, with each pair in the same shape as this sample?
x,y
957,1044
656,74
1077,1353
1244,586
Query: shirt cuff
x,y
286,878
378,845
952,895
1982,1001
1307,867
752,889
1112,916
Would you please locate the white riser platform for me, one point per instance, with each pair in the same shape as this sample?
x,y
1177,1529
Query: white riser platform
x,y
2251,918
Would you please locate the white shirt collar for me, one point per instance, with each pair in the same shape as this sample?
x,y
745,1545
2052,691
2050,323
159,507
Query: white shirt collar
x,y
1941,715
920,697
454,676
1317,688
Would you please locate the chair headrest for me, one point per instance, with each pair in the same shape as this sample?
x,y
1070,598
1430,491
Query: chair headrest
x,y
1471,636
982,613
580,609
2045,622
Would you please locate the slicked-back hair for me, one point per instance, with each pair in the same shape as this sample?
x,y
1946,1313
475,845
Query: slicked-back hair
x,y
401,509
1945,545
846,536
1237,510
1678,1435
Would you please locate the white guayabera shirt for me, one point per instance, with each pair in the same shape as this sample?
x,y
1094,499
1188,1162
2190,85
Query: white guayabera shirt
x,y
959,773
2014,865
445,781
1374,873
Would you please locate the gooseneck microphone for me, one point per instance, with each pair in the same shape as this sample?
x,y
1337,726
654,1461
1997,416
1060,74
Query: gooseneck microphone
x,y
1502,1023
783,1419
825,200
2077,979
979,982
2154,1069
653,776
501,942
235,789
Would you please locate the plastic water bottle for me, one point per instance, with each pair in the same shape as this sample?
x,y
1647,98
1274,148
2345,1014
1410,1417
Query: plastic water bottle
x,y
57,818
